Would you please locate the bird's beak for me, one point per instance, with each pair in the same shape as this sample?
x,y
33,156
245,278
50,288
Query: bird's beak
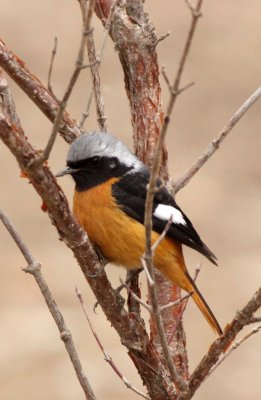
x,y
66,171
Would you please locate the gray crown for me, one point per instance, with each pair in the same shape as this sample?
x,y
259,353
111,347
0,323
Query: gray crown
x,y
101,144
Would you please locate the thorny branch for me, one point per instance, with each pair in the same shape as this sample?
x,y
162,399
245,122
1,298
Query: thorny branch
x,y
34,268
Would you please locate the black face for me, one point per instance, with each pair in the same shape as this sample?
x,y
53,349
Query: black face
x,y
96,170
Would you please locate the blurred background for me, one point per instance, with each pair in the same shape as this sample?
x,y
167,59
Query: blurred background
x,y
222,200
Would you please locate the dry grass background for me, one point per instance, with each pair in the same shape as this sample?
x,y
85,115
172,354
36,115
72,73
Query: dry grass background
x,y
223,200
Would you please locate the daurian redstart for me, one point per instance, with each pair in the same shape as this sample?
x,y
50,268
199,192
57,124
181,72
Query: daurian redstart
x,y
109,202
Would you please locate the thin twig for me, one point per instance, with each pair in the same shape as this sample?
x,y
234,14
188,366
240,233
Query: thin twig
x,y
34,268
166,78
54,52
85,113
254,320
193,8
87,13
78,67
175,87
7,103
214,145
36,91
163,37
136,298
107,27
107,357
151,282
176,303
162,235
234,347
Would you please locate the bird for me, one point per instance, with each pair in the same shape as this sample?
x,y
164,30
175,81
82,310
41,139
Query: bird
x,y
109,202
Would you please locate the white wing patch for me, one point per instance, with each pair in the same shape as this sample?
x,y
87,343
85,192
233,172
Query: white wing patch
x,y
166,212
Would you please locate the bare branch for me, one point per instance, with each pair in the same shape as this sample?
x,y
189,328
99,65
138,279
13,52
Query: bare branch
x,y
175,87
85,113
176,303
54,52
193,9
107,27
87,13
7,103
254,320
162,235
163,37
107,357
148,261
147,272
166,78
233,347
78,67
135,297
241,319
34,268
37,92
214,145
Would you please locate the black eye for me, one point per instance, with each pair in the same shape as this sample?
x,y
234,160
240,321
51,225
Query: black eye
x,y
94,162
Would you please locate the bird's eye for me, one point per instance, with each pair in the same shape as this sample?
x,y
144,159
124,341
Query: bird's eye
x,y
95,161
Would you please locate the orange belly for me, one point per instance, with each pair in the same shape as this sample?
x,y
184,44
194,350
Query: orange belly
x,y
121,238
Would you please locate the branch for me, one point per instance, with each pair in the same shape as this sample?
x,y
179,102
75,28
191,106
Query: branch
x,y
37,92
214,145
54,52
107,357
34,268
62,105
233,347
135,40
175,88
241,319
87,13
148,260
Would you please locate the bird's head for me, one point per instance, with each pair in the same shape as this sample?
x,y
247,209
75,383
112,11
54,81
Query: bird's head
x,y
95,157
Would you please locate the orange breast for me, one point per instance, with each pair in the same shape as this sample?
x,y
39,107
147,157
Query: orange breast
x,y
120,238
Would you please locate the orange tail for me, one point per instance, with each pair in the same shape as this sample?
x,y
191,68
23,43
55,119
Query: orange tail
x,y
202,305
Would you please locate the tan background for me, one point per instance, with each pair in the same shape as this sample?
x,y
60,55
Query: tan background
x,y
223,200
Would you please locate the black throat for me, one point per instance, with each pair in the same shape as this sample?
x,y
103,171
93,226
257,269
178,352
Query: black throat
x,y
95,171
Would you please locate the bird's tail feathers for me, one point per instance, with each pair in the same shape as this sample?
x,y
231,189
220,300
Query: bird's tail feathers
x,y
202,305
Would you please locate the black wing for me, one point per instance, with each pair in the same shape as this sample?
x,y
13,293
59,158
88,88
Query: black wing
x,y
130,194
